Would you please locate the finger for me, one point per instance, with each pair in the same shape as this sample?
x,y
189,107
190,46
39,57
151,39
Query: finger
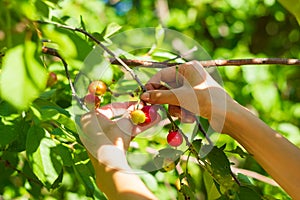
x,y
161,97
116,109
184,115
165,78
187,117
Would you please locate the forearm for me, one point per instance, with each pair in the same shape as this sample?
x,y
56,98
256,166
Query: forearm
x,y
121,182
279,157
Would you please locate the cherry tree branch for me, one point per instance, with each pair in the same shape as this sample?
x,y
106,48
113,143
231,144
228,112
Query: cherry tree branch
x,y
212,63
116,58
53,52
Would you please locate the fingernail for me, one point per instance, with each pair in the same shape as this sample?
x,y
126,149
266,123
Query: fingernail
x,y
145,96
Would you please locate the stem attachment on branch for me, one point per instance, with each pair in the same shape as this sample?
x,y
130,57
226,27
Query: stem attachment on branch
x,y
53,52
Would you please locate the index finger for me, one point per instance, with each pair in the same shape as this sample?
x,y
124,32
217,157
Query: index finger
x,y
167,75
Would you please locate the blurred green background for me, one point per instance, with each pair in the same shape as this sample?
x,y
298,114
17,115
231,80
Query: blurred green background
x,y
226,29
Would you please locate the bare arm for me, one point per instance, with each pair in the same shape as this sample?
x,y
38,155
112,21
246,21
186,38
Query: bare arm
x,y
195,90
279,157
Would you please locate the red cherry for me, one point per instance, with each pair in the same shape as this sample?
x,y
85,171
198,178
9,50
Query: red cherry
x,y
97,87
52,79
146,110
174,138
92,101
150,114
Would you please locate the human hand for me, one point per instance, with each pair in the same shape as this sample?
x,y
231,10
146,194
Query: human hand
x,y
190,87
107,132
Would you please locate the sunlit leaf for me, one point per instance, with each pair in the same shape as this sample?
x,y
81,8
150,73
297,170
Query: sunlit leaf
x,y
293,6
23,77
111,29
7,135
45,163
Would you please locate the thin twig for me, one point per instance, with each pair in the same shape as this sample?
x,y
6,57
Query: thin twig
x,y
116,58
53,52
201,129
212,63
9,165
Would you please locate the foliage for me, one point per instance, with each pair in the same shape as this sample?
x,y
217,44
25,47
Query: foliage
x,y
41,156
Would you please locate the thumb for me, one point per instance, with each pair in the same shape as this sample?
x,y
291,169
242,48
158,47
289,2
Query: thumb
x,y
161,96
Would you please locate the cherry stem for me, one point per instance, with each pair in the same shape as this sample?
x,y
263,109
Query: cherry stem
x,y
54,52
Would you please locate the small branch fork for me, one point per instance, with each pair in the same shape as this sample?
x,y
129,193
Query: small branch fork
x,y
212,63
53,52
119,60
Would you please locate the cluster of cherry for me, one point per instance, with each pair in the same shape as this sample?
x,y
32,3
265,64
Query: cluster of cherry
x,y
139,116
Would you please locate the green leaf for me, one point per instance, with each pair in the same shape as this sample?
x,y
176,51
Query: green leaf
x,y
149,181
111,29
7,135
23,77
238,150
197,144
219,168
84,172
211,189
45,163
35,185
244,179
82,23
64,153
293,6
247,193
21,128
191,182
187,192
6,109
218,161
42,8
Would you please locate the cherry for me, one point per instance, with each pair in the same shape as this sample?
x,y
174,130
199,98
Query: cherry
x,y
97,87
52,79
174,138
138,117
150,113
92,101
144,116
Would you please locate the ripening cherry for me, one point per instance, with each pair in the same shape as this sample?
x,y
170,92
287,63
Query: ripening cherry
x,y
138,117
97,87
174,138
144,116
92,101
52,79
